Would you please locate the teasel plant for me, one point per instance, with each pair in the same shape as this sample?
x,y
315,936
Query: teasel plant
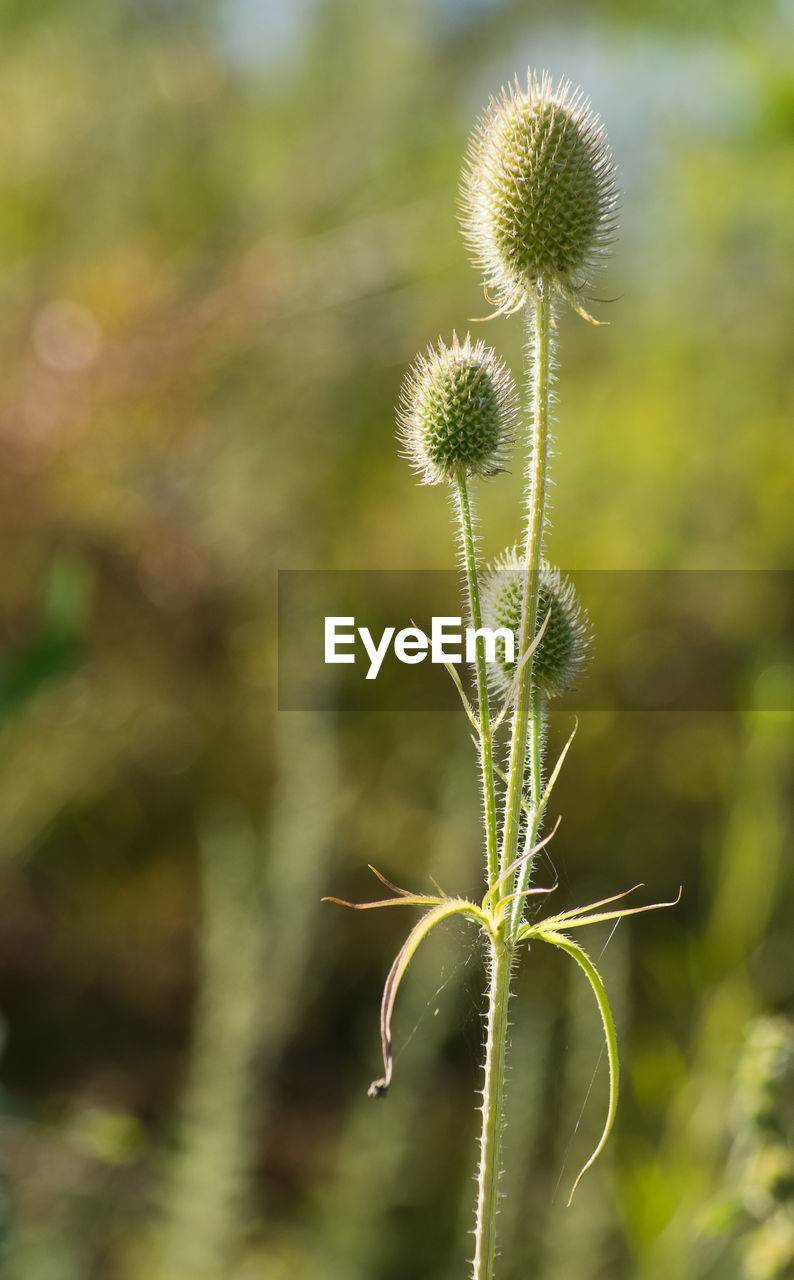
x,y
538,212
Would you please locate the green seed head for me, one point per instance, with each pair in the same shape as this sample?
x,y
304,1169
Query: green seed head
x,y
538,195
458,410
563,650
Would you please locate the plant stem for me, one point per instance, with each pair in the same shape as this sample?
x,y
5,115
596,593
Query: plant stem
x,y
486,741
535,762
539,338
492,1110
526,725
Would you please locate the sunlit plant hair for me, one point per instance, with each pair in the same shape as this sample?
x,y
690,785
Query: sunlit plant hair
x,y
538,195
538,212
458,412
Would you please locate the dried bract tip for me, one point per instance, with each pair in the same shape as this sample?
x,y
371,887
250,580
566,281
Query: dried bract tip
x,y
458,410
564,647
538,195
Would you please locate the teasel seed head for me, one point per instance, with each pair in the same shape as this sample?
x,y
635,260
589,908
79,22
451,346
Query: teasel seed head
x,y
564,648
538,196
458,412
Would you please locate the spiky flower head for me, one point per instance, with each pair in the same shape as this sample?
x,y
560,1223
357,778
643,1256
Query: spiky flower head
x,y
563,650
458,410
538,195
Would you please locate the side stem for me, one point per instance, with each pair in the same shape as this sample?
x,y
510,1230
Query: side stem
x,y
492,1111
486,740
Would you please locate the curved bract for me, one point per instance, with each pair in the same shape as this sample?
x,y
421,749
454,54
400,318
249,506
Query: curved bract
x,y
550,930
492,916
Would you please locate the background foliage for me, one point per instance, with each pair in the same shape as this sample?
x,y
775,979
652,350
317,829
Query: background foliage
x,y
226,228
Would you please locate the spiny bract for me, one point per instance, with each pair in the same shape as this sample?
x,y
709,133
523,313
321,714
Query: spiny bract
x,y
563,650
538,195
458,410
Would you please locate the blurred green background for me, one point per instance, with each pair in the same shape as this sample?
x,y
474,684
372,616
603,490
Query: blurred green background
x,y
226,228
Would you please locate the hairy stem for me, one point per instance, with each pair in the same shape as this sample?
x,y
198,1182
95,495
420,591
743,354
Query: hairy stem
x,y
535,766
486,741
539,324
492,1111
526,728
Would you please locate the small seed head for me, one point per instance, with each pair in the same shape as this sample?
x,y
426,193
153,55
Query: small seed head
x,y
538,195
564,648
458,410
